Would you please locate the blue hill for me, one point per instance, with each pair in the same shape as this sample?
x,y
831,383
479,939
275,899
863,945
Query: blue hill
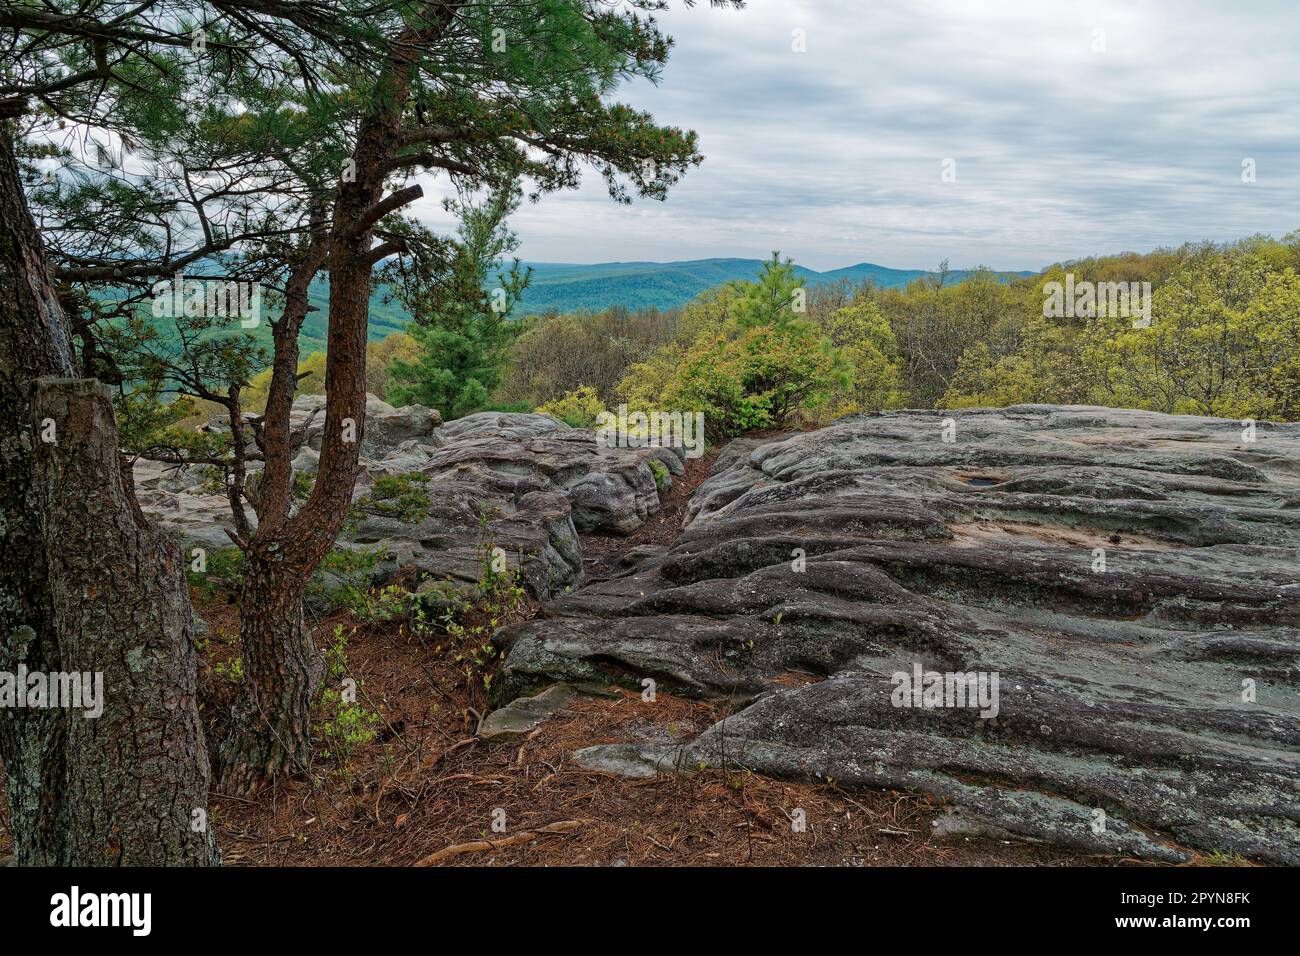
x,y
564,287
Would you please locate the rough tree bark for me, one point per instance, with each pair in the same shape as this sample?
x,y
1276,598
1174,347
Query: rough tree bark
x,y
32,343
66,783
137,788
271,730
271,723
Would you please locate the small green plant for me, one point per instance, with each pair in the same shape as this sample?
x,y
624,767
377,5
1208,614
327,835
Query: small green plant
x,y
660,472
347,728
468,624
232,671
336,654
404,497
375,605
343,581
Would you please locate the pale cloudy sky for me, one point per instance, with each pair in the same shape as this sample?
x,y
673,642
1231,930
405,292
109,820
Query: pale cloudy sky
x,y
834,155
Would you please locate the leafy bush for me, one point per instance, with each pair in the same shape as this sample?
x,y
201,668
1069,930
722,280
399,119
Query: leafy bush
x,y
233,670
465,625
646,382
579,408
754,360
757,380
336,654
347,728
375,605
343,582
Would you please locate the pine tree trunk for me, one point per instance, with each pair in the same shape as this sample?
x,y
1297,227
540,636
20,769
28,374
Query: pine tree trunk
x,y
136,791
32,343
83,586
271,727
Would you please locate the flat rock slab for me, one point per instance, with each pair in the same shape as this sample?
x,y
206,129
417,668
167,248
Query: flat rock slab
x,y
1131,579
522,716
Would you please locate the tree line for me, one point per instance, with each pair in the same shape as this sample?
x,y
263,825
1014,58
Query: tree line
x,y
1219,336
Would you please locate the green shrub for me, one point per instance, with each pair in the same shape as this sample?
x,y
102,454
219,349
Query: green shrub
x,y
757,380
347,728
752,359
579,408
404,497
336,654
467,624
374,605
232,671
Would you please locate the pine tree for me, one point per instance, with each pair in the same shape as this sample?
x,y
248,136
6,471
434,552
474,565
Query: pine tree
x,y
462,327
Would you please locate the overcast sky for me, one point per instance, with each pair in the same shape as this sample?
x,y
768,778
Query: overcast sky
x,y
1077,128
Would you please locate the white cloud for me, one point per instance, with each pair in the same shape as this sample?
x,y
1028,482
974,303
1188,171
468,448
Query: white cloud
x,y
1062,151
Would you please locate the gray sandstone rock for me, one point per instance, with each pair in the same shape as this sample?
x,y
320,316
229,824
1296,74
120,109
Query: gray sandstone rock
x,y
525,483
521,717
1143,709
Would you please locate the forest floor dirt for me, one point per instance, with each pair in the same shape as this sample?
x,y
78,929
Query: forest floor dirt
x,y
427,783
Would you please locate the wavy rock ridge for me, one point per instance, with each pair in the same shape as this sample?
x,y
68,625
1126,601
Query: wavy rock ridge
x,y
1132,578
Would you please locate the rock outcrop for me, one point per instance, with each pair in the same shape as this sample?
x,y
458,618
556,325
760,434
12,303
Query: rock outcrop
x,y
612,490
525,483
1131,580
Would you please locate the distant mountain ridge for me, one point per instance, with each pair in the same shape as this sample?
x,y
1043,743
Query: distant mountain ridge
x,y
564,287
567,287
